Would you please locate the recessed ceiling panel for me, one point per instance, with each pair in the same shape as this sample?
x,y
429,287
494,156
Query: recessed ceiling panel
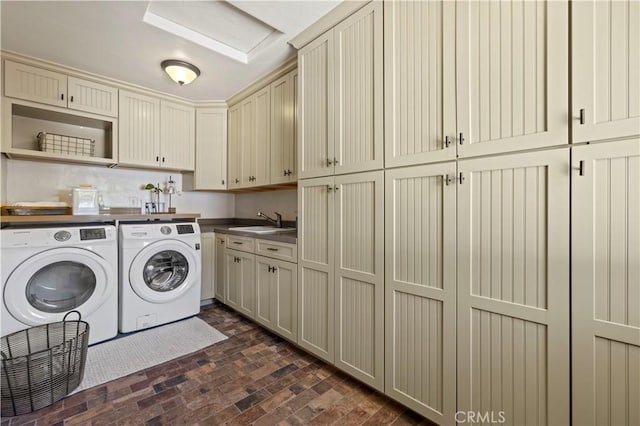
x,y
217,25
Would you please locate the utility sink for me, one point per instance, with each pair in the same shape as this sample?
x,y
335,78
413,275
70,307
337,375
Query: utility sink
x,y
261,229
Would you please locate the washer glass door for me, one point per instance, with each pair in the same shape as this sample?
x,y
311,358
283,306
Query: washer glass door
x,y
166,270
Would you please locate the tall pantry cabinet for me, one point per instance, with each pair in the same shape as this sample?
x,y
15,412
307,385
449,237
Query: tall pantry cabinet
x,y
341,213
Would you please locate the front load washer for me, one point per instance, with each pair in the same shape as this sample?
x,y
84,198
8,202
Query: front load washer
x,y
159,274
47,272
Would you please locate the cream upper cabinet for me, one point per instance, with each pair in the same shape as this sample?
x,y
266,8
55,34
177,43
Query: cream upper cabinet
x,y
315,102
177,136
247,140
208,265
234,168
34,84
283,128
605,54
419,64
474,78
92,97
211,148
260,155
511,76
48,87
513,287
340,97
605,265
420,288
219,271
358,84
139,129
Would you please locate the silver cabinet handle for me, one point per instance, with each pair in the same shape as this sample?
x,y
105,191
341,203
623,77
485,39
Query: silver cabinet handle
x,y
583,118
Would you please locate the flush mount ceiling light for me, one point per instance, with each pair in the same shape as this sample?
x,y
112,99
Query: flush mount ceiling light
x,y
180,71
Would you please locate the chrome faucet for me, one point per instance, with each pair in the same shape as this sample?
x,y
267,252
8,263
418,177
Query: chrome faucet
x,y
277,221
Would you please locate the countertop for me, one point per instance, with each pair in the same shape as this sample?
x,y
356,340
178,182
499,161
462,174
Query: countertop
x,y
23,220
222,226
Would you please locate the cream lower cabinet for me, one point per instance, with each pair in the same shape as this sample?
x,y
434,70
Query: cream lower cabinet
x,y
420,289
219,272
208,265
513,287
605,54
606,283
240,282
277,296
341,272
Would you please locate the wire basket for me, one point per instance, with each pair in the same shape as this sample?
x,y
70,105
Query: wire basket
x,y
62,144
41,365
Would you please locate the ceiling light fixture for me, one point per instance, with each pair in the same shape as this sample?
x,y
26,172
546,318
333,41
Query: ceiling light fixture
x,y
180,71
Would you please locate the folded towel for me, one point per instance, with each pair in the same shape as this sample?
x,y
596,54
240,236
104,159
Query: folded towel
x,y
40,204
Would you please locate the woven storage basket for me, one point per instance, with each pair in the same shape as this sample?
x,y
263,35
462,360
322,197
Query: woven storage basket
x,y
63,144
41,365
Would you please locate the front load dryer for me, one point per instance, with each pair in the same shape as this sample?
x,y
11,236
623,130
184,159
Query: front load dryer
x,y
159,274
47,272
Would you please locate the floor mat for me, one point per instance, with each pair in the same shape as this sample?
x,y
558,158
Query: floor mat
x,y
119,357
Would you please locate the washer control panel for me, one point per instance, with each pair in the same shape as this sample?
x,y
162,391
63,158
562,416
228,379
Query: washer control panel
x,y
92,234
185,229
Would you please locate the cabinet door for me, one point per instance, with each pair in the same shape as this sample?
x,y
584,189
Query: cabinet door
x,y
219,271
265,292
247,281
359,86
513,287
359,276
419,63
291,154
247,141
211,148
605,54
316,266
285,319
511,75
139,136
282,128
606,283
262,139
420,289
208,265
233,279
34,84
177,136
92,97
315,103
234,170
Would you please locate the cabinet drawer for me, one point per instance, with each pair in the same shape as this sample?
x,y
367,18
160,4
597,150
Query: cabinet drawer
x,y
241,243
277,250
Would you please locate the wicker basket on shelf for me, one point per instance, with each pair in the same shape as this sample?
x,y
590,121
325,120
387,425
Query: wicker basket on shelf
x,y
63,144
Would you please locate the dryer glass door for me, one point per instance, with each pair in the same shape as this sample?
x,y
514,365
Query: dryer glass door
x,y
61,286
166,270
47,285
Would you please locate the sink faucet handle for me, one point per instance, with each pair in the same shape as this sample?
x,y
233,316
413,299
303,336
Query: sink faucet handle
x,y
259,213
278,220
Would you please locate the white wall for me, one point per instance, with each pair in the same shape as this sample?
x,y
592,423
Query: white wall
x,y
41,181
284,202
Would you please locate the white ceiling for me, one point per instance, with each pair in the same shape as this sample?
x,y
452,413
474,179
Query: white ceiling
x,y
110,38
